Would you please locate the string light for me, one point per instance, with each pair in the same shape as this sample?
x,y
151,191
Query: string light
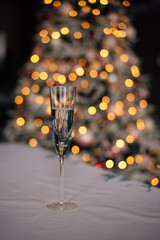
x,y
57,3
93,73
107,31
50,82
77,35
130,160
72,76
92,1
104,53
143,103
103,106
154,181
120,143
20,121
84,83
109,163
75,149
47,1
109,68
126,3
39,99
86,9
111,116
135,71
124,57
122,164
129,139
104,2
72,13
18,99
45,40
80,71
106,99
61,79
33,142
52,67
55,76
86,157
122,25
35,88
45,129
25,91
104,75
130,97
92,110
132,111
55,35
82,3
140,124
96,12
34,58
43,33
82,130
85,25
38,122
138,158
64,30
35,75
129,82
43,75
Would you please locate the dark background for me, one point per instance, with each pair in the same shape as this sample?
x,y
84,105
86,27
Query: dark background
x,y
18,22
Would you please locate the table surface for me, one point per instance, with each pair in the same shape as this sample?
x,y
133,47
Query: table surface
x,y
109,206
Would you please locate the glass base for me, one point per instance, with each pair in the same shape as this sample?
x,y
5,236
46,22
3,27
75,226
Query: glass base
x,y
56,206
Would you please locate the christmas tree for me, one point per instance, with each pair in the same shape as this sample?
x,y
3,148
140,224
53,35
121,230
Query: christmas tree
x,y
88,44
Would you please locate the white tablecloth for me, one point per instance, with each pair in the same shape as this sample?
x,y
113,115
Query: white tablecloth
x,y
110,207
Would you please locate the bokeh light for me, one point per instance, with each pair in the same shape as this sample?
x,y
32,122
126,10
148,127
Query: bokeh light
x,y
75,149
45,129
109,163
18,99
82,130
120,143
122,165
33,142
20,121
92,110
130,160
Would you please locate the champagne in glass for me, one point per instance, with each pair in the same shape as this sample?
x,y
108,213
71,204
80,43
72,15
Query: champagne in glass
x,y
62,111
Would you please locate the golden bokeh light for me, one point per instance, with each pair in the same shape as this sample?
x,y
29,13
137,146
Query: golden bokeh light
x,y
104,2
96,12
135,71
43,75
82,130
109,67
86,9
77,35
25,91
139,158
64,30
107,31
38,122
109,163
92,110
122,165
45,129
106,99
18,99
55,76
93,73
111,116
33,142
124,57
92,1
39,99
50,82
72,76
35,75
104,53
52,67
130,160
35,88
140,125
120,143
104,75
130,97
129,82
72,13
82,3
86,157
85,25
84,83
43,33
154,181
55,35
61,79
75,149
129,139
34,58
132,111
122,25
20,121
143,103
119,105
45,40
126,3
56,3
47,1
103,106
80,71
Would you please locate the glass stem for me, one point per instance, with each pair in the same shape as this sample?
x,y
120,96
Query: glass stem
x,y
61,199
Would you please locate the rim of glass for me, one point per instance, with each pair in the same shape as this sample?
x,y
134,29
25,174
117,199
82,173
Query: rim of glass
x,y
63,87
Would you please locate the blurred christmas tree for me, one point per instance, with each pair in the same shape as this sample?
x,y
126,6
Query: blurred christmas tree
x,y
89,44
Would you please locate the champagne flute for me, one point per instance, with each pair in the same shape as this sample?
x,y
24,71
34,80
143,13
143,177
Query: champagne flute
x,y
62,112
